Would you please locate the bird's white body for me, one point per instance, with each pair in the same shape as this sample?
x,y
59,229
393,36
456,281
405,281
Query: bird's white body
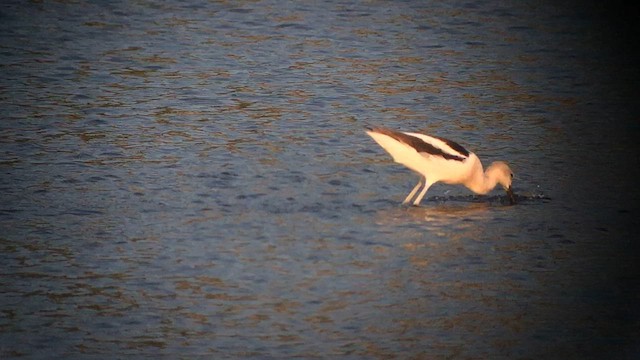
x,y
441,160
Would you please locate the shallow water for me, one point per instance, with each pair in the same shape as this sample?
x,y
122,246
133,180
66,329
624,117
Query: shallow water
x,y
193,180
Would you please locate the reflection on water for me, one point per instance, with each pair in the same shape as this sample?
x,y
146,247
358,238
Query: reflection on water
x,y
193,180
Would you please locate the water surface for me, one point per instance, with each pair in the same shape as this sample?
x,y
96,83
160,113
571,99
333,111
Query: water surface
x,y
193,180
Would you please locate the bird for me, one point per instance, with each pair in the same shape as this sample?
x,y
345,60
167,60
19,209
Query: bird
x,y
437,159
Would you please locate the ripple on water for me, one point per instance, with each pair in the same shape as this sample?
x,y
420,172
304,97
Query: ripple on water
x,y
197,183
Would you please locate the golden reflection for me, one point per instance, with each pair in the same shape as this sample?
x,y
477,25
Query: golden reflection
x,y
168,111
319,319
145,343
267,112
285,306
436,231
101,24
299,96
289,18
252,39
366,32
131,72
159,59
398,110
198,318
120,51
419,261
407,89
434,213
317,42
88,136
411,59
175,21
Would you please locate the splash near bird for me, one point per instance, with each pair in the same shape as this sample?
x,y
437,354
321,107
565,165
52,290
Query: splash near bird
x,y
437,159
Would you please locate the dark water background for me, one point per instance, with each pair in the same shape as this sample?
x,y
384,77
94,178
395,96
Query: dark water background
x,y
192,179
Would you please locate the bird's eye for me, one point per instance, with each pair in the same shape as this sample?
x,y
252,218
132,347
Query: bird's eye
x,y
512,175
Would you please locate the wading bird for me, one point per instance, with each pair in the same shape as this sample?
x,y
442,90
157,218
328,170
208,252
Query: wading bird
x,y
437,159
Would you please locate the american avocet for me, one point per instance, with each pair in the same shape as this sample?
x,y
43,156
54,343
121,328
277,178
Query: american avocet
x,y
438,159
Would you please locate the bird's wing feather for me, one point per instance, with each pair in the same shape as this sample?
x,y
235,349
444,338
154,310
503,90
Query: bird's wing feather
x,y
428,145
454,146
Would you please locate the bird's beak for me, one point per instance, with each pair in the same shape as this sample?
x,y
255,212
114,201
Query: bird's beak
x,y
512,197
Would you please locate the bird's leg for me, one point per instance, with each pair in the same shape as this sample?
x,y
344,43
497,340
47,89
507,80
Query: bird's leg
x,y
413,192
424,191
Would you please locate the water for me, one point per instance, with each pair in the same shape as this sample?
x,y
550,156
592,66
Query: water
x,y
193,180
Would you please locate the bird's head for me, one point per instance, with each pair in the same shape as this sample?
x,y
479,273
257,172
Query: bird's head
x,y
500,171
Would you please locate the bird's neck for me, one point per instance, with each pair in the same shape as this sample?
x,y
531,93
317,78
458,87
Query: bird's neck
x,y
480,181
